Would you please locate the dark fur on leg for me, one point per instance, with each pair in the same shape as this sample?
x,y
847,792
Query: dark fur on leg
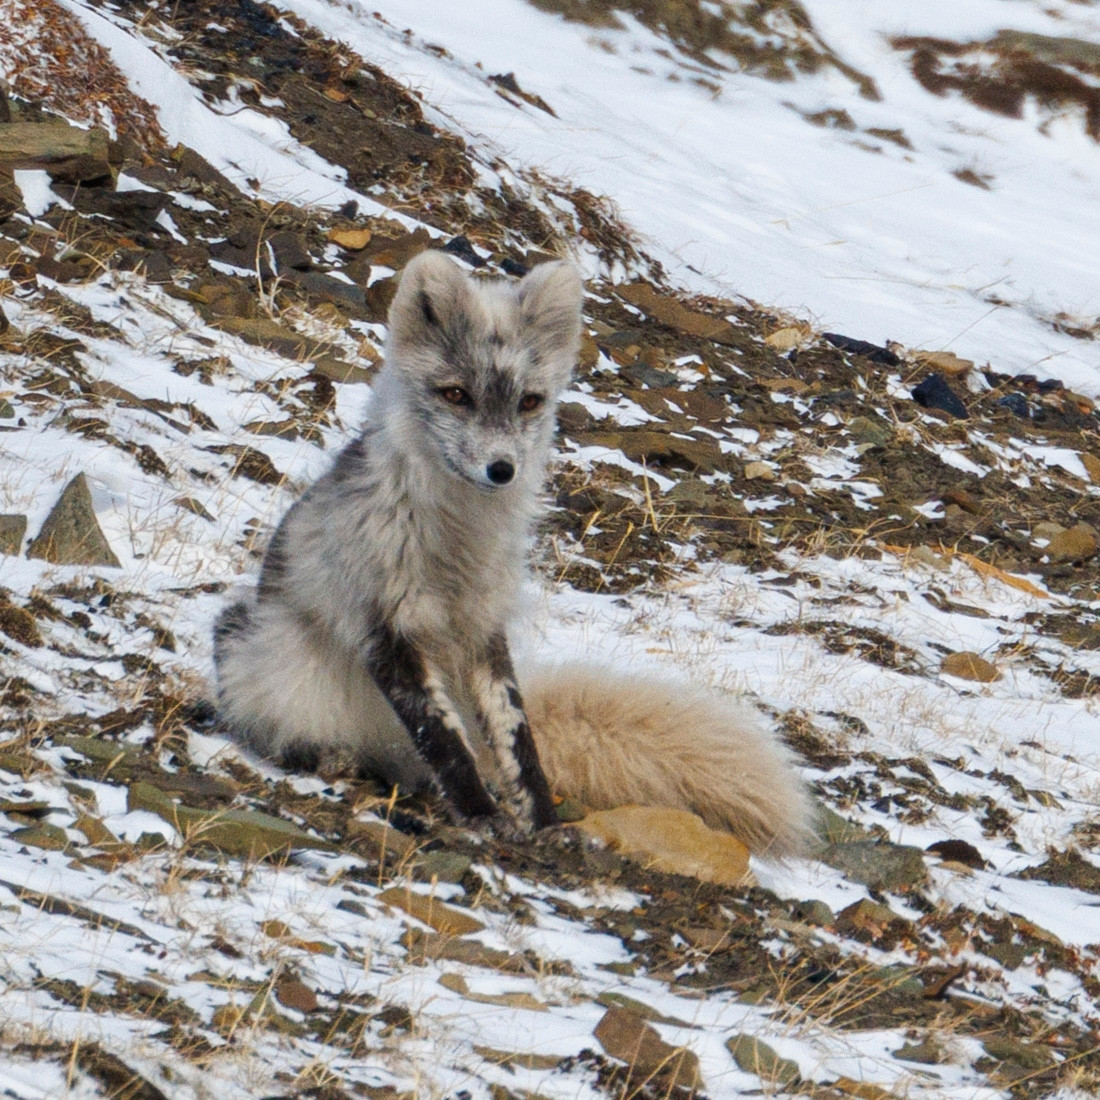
x,y
403,676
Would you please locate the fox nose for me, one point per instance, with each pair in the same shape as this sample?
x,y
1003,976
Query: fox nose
x,y
500,472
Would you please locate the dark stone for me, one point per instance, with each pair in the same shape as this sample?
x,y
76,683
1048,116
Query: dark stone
x,y
514,267
71,534
1016,404
134,210
461,247
935,393
862,347
958,851
328,289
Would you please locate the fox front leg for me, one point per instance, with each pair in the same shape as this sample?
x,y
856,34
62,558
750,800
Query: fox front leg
x,y
500,709
416,693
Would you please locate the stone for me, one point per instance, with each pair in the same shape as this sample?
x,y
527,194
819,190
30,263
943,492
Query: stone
x,y
927,1053
293,993
71,534
1092,466
431,911
1031,1056
68,153
867,916
970,666
673,841
870,429
1076,544
247,833
626,1036
668,311
13,529
876,354
792,336
19,624
946,362
352,239
958,851
755,1056
758,471
935,393
878,865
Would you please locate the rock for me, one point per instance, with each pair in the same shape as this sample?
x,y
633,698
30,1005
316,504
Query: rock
x,y
247,833
250,463
867,916
627,1037
67,153
759,471
870,429
266,333
1076,544
926,1053
946,362
431,911
317,284
1046,529
878,865
831,828
43,835
13,529
136,211
443,866
1091,463
18,623
647,445
935,393
464,250
351,240
754,1056
969,666
1016,403
958,851
862,1090
294,993
792,336
1031,1056
862,347
71,534
668,311
673,841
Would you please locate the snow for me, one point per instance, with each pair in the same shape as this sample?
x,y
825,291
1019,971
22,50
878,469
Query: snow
x,y
738,195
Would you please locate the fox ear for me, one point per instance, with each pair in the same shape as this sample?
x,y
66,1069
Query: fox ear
x,y
433,291
550,308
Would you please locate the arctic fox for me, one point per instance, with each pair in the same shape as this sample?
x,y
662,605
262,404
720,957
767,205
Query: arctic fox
x,y
378,629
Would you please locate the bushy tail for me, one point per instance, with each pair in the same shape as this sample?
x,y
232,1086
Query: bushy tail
x,y
608,740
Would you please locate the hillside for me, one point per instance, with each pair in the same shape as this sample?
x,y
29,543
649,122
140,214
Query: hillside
x,y
833,443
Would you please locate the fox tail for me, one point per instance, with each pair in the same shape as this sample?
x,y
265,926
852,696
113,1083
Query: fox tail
x,y
607,740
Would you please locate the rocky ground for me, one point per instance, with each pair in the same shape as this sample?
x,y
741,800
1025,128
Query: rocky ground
x,y
179,355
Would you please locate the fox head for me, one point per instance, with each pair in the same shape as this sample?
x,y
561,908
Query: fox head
x,y
477,366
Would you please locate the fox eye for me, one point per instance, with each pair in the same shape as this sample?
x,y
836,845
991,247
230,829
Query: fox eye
x,y
529,402
456,395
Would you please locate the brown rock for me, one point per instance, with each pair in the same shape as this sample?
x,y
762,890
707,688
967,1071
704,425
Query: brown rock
x,y
1092,466
19,624
67,153
945,362
673,841
13,529
969,666
431,911
294,993
1076,544
668,311
627,1037
351,239
71,534
758,471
